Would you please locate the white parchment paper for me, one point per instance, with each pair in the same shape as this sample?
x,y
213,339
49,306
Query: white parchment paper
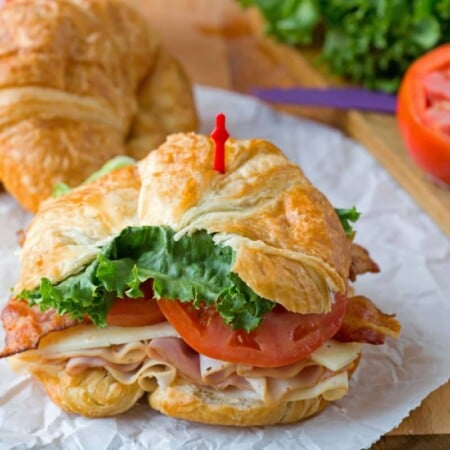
x,y
392,379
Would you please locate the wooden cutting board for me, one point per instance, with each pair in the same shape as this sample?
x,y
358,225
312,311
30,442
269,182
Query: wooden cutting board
x,y
220,45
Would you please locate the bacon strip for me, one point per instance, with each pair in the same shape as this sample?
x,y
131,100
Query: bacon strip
x,y
25,326
361,262
364,322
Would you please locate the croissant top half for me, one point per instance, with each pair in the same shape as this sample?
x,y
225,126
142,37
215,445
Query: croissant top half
x,y
80,82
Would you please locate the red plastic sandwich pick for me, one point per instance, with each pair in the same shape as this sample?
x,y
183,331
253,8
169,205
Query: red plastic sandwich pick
x,y
220,135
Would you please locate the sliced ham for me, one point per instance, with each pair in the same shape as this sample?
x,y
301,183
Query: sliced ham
x,y
289,371
280,387
78,364
177,353
162,360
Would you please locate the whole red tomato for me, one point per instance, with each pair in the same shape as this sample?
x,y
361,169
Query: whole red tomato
x,y
423,112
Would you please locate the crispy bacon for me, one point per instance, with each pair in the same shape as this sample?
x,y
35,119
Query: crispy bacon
x,y
361,262
25,326
364,322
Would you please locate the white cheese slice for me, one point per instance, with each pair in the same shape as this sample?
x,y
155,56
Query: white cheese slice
x,y
335,355
89,336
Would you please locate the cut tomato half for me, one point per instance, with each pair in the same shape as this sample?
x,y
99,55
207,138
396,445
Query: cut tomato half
x,y
423,112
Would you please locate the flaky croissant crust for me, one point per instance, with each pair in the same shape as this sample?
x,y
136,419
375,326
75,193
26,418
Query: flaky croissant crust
x,y
91,393
67,233
81,82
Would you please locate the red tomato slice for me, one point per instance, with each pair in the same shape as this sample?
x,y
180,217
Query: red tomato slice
x,y
423,112
283,337
135,312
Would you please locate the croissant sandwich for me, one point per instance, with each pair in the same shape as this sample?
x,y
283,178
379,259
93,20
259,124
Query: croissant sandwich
x,y
223,298
81,82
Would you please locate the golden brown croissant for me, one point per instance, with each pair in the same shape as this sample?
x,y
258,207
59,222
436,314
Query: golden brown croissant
x,y
283,232
81,82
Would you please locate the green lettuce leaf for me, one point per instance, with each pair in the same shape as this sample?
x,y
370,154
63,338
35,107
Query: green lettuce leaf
x,y
115,163
79,295
192,269
347,216
60,189
370,42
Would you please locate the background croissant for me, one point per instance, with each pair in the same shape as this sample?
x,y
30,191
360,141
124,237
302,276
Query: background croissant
x,y
81,82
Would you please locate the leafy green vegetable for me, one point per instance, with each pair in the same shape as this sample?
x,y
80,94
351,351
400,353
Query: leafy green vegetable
x,y
347,217
60,189
192,269
113,164
370,42
79,295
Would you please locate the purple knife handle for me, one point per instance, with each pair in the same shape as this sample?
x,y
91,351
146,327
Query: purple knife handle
x,y
341,98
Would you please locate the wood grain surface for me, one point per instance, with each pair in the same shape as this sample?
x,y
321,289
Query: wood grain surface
x,y
220,45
